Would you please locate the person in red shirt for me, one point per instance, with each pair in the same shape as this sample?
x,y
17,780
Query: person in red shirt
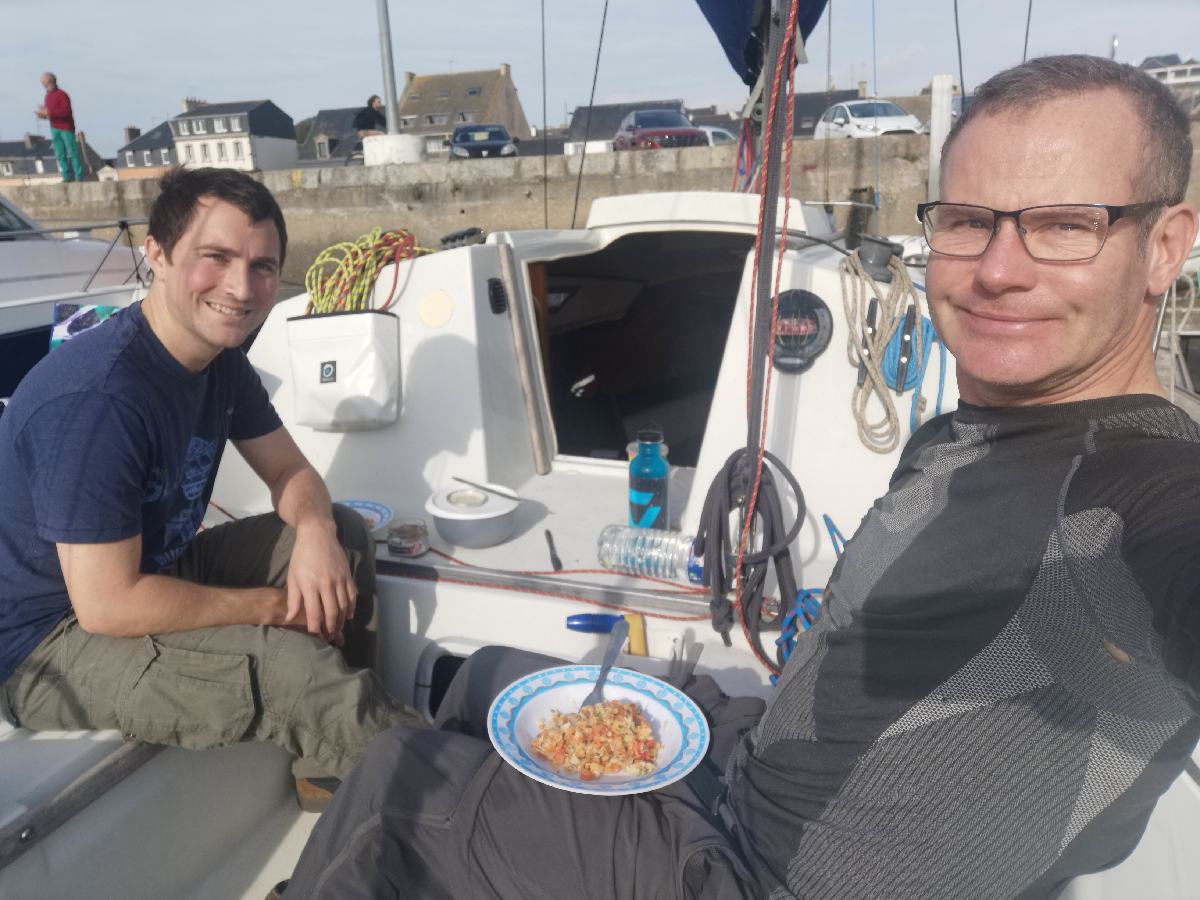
x,y
57,108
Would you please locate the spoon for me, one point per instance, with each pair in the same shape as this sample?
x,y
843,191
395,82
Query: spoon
x,y
616,641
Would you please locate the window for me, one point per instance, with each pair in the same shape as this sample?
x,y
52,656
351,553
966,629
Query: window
x,y
235,123
434,145
147,158
237,149
443,93
204,152
198,127
40,166
129,158
219,125
221,151
189,152
165,154
806,122
322,147
474,91
438,119
416,96
466,117
183,129
408,121
5,168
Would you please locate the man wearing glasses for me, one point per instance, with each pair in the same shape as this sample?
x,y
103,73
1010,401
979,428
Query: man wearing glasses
x,y
1005,675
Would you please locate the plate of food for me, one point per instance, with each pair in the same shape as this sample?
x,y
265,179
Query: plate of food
x,y
644,736
375,514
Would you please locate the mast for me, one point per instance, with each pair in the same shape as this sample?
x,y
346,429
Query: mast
x,y
389,70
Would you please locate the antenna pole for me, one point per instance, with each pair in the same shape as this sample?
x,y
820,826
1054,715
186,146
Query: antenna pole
x,y
389,70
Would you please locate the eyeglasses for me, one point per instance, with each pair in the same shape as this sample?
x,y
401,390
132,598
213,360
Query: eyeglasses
x,y
1056,233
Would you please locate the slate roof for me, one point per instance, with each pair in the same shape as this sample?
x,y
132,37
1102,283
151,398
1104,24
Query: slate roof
x,y
1159,62
337,125
263,118
606,118
155,139
222,109
24,158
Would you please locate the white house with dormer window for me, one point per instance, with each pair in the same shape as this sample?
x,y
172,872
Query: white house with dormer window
x,y
246,135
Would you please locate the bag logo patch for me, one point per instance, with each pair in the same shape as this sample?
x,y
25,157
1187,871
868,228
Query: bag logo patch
x,y
329,371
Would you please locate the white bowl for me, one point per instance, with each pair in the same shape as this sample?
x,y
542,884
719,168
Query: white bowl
x,y
468,517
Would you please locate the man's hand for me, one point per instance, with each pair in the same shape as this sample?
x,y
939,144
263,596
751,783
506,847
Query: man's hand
x,y
42,112
321,591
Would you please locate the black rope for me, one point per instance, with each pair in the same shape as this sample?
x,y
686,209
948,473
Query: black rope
x,y
962,81
587,127
1028,19
545,145
716,542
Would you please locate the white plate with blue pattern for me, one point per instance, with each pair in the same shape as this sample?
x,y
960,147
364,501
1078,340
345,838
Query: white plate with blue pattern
x,y
516,716
376,515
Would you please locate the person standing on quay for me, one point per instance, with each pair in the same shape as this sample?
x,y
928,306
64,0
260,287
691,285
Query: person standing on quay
x,y
57,108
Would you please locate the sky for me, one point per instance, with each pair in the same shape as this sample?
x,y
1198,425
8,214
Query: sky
x,y
131,62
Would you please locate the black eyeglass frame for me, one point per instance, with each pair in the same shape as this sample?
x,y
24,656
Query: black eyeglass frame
x,y
1115,213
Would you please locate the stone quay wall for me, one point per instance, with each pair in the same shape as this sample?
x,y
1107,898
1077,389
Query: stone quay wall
x,y
325,205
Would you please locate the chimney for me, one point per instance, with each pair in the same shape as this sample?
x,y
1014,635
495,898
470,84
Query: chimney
x,y
505,70
28,141
192,103
132,133
862,89
408,77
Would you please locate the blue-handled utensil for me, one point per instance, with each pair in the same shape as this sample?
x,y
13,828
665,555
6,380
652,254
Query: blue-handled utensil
x,y
616,640
593,623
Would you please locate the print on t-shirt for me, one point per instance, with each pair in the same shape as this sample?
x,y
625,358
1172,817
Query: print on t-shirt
x,y
181,528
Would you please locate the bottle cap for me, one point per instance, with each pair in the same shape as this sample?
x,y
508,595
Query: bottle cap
x,y
650,434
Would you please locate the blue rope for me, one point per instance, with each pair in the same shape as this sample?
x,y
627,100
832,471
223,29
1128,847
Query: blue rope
x,y
835,535
914,378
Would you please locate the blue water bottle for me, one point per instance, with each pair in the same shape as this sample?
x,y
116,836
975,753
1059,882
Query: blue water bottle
x,y
648,473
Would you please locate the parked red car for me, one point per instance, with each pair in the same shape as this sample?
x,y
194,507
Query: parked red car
x,y
650,129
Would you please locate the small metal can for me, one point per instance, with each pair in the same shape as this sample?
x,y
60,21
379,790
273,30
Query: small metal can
x,y
407,537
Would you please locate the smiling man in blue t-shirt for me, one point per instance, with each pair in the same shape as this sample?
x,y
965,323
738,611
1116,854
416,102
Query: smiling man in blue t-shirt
x,y
114,612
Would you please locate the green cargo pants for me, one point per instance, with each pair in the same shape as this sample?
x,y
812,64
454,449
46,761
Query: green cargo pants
x,y
215,686
66,152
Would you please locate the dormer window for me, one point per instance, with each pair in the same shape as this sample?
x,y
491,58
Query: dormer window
x,y
198,127
474,91
219,125
183,129
235,123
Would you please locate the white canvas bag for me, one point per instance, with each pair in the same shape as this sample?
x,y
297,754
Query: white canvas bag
x,y
345,369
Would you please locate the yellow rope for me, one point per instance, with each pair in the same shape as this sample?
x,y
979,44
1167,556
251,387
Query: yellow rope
x,y
342,277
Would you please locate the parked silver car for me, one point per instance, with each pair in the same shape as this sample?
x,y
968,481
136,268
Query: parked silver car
x,y
866,118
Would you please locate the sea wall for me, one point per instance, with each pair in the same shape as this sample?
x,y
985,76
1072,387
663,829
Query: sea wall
x,y
325,205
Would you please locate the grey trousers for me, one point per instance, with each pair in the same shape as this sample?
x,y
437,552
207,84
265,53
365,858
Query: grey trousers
x,y
210,687
437,815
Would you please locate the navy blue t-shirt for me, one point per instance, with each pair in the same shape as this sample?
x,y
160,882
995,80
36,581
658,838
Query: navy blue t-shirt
x,y
107,437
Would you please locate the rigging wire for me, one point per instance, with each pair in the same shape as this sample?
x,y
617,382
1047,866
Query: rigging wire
x,y
962,81
1028,19
545,142
587,127
828,84
875,94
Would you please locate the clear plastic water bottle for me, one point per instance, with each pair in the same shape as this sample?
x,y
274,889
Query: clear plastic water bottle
x,y
649,551
648,481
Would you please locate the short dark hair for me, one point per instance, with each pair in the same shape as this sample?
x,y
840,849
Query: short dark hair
x,y
372,99
1167,139
181,189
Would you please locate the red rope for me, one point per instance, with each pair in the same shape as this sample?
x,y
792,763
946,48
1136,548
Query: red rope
x,y
786,56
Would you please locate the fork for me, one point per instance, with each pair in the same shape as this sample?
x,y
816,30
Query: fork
x,y
616,640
